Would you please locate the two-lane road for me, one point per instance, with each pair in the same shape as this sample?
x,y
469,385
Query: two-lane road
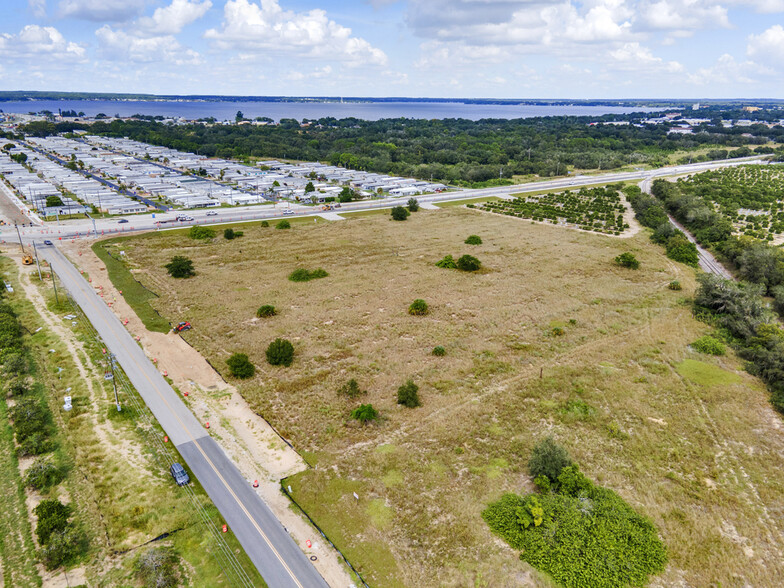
x,y
280,561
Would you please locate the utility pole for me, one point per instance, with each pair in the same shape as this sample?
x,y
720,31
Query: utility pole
x,y
114,381
55,286
35,249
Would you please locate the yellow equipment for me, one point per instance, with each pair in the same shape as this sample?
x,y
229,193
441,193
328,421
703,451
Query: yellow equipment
x,y
27,259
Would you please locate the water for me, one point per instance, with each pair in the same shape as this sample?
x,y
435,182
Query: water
x,y
314,110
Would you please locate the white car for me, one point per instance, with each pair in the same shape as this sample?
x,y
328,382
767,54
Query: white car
x,y
288,211
212,213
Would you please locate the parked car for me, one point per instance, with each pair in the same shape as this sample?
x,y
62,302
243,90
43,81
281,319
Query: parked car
x,y
47,242
122,221
212,213
179,474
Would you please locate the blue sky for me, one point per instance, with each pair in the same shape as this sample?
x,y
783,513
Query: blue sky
x,y
436,48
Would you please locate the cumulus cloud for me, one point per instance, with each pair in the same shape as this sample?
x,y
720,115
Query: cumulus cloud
x,y
37,7
34,41
266,27
689,15
102,10
171,19
117,44
768,46
635,57
728,71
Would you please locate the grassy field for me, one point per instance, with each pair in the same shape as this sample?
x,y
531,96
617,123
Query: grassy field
x,y
688,440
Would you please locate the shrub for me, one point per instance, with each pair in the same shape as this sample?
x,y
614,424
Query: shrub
x,y
709,345
305,275
557,332
351,389
627,260
675,285
364,413
157,567
63,547
52,516
264,223
199,232
265,311
439,351
180,267
447,263
413,205
284,224
548,459
228,234
43,474
679,248
280,352
418,307
240,366
15,364
399,213
30,417
408,395
468,263
473,240
36,444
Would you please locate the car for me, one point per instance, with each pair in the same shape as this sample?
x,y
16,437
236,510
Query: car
x,y
183,218
179,474
47,242
122,221
182,327
212,213
288,211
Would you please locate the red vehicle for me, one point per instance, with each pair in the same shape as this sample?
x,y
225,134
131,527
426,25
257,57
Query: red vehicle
x,y
182,327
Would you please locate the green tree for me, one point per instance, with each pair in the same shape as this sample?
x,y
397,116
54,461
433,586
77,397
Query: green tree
x,y
229,234
408,395
200,232
413,205
64,546
280,352
180,267
43,474
283,224
239,116
351,389
418,307
364,413
627,260
473,240
399,213
468,263
310,188
266,310
52,516
240,366
346,195
156,567
548,459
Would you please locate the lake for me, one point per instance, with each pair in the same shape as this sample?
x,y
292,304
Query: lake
x,y
313,110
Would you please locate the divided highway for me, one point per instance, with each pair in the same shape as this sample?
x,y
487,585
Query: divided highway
x,y
280,561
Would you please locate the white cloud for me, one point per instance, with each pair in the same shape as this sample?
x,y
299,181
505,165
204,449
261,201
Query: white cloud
x,y
727,71
102,10
171,19
633,57
266,27
763,6
768,46
37,7
688,15
34,41
117,44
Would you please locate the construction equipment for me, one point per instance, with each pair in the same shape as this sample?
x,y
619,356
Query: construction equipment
x,y
27,259
182,327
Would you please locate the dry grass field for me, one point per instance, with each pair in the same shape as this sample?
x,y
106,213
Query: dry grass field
x,y
688,440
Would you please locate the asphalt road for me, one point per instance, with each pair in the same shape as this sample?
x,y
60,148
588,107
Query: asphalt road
x,y
279,560
165,220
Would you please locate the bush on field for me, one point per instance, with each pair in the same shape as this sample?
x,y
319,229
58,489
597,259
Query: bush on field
x,y
30,416
52,516
264,223
399,213
468,263
15,364
280,352
418,307
17,386
675,285
230,234
284,224
240,366
351,389
679,248
180,267
447,263
305,275
413,204
265,311
548,459
627,260
199,232
63,547
157,567
36,444
43,474
473,240
439,351
364,413
709,345
10,332
408,395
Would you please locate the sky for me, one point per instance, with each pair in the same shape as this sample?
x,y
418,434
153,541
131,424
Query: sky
x,y
598,49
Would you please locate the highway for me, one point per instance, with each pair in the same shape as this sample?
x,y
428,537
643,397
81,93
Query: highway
x,y
166,220
280,561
